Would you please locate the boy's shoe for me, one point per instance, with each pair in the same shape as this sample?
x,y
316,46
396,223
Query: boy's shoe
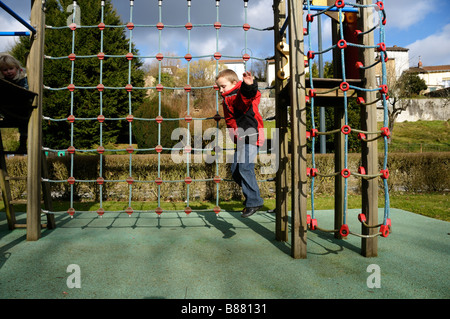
x,y
249,211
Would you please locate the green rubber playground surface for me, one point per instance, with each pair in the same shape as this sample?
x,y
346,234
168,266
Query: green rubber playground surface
x,y
204,256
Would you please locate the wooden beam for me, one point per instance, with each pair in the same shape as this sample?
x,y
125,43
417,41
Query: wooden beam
x,y
298,129
369,152
35,76
281,118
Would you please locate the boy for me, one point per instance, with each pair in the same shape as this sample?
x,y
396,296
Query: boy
x,y
245,125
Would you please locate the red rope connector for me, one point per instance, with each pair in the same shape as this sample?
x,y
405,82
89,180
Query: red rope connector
x,y
130,180
246,26
71,212
158,149
217,25
383,89
309,18
384,173
100,149
381,47
246,57
360,100
71,87
188,26
385,132
313,224
311,172
384,230
359,65
129,87
100,87
346,129
158,181
71,180
188,180
160,25
216,209
345,173
72,57
362,136
188,118
380,5
101,55
71,118
344,86
73,26
159,119
362,217
217,179
100,212
130,118
71,150
342,44
100,180
130,25
130,149
362,170
101,26
314,132
129,211
188,57
159,56
187,149
217,55
344,231
310,55
129,56
159,87
308,219
312,93
188,210
339,4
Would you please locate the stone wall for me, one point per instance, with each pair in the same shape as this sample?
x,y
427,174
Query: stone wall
x,y
422,109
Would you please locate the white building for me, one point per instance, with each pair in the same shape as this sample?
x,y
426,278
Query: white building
x,y
436,77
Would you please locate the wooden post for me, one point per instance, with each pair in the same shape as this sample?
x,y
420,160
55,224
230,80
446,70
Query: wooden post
x,y
298,129
35,78
281,118
369,156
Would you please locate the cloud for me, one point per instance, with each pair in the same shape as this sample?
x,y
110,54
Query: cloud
x,y
433,50
8,24
403,14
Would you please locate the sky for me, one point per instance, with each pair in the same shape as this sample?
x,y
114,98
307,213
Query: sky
x,y
421,26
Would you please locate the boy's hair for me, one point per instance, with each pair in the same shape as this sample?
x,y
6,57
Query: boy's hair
x,y
228,74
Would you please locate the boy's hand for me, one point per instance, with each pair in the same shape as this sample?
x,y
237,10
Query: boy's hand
x,y
247,78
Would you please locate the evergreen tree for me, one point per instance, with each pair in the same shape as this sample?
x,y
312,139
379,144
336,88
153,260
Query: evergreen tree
x,y
86,102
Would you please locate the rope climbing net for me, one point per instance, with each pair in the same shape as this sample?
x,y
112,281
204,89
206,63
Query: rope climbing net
x,y
342,44
72,117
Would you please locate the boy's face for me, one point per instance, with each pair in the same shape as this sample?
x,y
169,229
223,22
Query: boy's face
x,y
9,72
225,85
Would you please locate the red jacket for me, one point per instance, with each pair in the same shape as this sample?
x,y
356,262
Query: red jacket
x,y
240,108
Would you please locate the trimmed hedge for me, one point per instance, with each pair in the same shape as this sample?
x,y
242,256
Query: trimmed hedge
x,y
411,172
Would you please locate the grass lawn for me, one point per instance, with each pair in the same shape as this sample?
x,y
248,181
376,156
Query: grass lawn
x,y
434,205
